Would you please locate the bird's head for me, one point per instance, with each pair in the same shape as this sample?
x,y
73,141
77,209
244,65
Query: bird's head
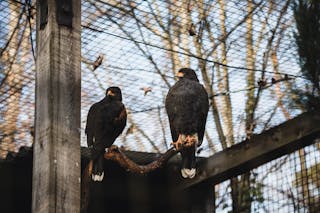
x,y
187,73
114,93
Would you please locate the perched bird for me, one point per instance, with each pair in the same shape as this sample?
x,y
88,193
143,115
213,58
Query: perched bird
x,y
187,107
105,122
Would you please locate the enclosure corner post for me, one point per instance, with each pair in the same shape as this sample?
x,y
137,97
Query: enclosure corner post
x,y
56,157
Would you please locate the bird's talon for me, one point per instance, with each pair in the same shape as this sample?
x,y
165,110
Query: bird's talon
x,y
113,148
177,145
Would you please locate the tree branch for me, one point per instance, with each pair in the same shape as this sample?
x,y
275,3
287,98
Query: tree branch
x,y
115,154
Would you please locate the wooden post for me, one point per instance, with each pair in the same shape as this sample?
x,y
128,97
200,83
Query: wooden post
x,y
56,164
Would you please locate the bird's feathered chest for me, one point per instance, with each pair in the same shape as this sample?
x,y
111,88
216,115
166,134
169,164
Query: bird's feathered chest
x,y
186,97
107,117
187,108
113,114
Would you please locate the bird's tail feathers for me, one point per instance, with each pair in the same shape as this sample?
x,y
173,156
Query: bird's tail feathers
x,y
97,177
188,173
97,171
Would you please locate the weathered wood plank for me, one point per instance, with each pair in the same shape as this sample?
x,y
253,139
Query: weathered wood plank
x,y
269,145
201,198
56,165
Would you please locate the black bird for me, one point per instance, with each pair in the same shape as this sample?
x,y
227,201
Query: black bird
x,y
187,107
105,122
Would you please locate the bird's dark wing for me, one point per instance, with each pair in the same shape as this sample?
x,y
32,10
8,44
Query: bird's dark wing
x,y
171,111
203,112
173,107
91,123
120,120
113,122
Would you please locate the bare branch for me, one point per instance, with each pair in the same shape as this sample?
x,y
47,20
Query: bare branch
x,y
115,154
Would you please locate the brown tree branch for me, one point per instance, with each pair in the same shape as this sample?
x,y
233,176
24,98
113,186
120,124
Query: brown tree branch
x,y
115,154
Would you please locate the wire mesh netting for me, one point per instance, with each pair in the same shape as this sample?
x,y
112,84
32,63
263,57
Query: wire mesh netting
x,y
287,184
16,76
140,45
243,52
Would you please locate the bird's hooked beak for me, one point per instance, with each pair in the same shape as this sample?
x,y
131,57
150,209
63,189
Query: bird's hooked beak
x,y
110,93
179,75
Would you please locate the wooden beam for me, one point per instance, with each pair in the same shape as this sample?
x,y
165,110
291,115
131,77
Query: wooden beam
x,y
201,198
56,165
269,145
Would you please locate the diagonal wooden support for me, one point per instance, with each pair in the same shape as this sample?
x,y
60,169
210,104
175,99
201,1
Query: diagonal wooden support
x,y
269,145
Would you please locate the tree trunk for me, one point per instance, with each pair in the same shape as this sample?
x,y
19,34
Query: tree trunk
x,y
226,109
240,190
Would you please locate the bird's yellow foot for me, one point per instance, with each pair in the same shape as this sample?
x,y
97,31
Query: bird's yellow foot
x,y
178,144
185,141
